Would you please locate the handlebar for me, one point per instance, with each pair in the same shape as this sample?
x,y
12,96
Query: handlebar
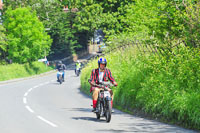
x,y
102,84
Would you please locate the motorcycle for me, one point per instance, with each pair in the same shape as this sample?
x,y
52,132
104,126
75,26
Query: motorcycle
x,y
78,70
60,77
104,106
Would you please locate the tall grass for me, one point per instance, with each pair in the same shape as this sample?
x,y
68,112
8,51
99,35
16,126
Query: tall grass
x,y
165,87
14,70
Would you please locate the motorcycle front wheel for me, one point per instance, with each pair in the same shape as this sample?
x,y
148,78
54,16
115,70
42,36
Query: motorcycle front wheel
x,y
108,111
99,106
77,72
60,79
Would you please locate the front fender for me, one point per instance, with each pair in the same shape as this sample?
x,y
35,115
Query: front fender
x,y
108,98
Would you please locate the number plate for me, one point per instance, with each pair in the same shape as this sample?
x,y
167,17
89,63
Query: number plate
x,y
106,93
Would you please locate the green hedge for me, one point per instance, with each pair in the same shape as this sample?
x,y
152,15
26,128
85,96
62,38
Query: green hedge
x,y
167,87
14,70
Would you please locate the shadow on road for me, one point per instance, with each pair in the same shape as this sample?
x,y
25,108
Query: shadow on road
x,y
115,131
143,127
88,119
55,83
74,76
79,109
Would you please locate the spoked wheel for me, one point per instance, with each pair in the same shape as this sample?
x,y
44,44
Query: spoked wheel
x,y
108,111
98,115
99,106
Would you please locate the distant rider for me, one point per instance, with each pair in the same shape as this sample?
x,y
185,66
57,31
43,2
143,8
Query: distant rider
x,y
61,68
78,66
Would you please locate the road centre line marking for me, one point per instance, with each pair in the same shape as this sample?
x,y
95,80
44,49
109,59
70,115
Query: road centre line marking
x,y
41,84
48,122
26,94
29,109
25,100
30,89
36,86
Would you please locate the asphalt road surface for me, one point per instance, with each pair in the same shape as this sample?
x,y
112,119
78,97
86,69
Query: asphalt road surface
x,y
42,105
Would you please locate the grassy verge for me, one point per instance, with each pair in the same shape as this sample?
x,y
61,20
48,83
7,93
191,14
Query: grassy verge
x,y
14,71
162,87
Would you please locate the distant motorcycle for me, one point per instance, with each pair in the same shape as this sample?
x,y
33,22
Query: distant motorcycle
x,y
78,71
60,77
104,101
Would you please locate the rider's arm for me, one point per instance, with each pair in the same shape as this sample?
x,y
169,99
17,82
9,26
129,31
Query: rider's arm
x,y
64,67
111,78
92,77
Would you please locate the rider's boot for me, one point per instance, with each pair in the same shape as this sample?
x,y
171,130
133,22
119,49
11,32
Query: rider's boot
x,y
95,110
94,106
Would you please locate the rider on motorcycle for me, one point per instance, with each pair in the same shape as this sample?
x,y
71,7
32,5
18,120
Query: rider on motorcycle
x,y
61,68
77,66
98,75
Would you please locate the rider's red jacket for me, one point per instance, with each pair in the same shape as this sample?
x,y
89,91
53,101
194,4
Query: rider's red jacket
x,y
95,77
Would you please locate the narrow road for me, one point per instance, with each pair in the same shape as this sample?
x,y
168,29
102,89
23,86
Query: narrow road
x,y
41,105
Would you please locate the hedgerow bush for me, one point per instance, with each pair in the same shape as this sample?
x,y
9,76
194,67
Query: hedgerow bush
x,y
163,86
15,70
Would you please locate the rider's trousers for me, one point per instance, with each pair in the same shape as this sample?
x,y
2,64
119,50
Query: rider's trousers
x,y
96,92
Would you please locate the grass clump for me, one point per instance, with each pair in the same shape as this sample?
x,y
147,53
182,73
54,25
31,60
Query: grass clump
x,y
13,71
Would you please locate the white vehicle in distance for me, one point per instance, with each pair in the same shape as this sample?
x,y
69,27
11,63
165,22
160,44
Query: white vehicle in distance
x,y
102,47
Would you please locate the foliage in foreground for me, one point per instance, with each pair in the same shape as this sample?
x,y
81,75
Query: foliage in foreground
x,y
165,87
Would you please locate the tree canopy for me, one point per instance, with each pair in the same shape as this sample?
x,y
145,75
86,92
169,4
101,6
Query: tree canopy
x,y
159,22
27,38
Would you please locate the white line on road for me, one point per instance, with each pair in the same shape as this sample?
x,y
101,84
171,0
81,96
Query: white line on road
x,y
36,86
26,94
29,109
41,84
30,89
24,100
48,122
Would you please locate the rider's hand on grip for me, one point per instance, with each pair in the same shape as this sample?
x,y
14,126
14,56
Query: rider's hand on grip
x,y
115,84
89,80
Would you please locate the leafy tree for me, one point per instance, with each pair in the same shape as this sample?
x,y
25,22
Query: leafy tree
x,y
3,41
28,40
189,14
64,34
89,19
